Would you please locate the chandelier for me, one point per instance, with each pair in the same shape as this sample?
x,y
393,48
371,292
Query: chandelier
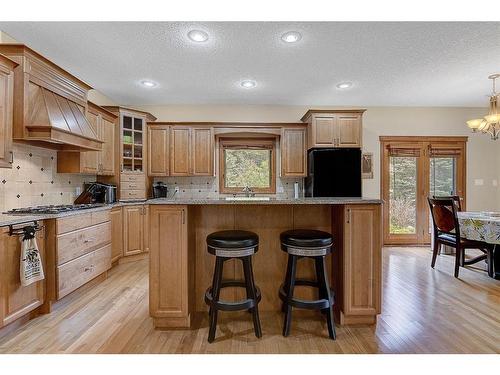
x,y
489,124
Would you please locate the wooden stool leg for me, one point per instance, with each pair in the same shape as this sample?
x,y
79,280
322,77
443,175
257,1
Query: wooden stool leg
x,y
325,286
489,256
318,265
251,291
216,286
286,286
289,296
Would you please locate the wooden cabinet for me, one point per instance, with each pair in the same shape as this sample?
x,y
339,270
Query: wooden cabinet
x,y
101,163
293,152
158,150
6,110
79,250
116,234
17,300
202,151
180,151
168,276
133,229
106,157
357,262
334,128
131,153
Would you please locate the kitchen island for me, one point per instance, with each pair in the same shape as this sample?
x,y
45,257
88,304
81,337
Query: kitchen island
x,y
181,268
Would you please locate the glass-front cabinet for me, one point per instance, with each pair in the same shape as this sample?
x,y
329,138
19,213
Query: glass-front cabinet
x,y
133,130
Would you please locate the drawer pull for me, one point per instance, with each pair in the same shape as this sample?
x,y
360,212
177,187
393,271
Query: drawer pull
x,y
90,268
89,240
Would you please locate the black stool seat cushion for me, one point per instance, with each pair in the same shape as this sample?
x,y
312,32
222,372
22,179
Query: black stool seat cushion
x,y
232,239
306,238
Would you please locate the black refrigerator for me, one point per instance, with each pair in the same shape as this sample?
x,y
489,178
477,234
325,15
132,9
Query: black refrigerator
x,y
333,172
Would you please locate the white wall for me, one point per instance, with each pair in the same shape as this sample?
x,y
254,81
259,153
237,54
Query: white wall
x,y
483,154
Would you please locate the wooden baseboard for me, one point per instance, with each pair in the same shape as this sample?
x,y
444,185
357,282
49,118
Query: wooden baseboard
x,y
357,319
132,258
171,323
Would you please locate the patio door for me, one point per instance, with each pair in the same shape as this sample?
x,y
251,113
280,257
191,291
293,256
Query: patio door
x,y
414,168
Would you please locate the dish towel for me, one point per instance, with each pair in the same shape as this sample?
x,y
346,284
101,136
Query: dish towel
x,y
31,269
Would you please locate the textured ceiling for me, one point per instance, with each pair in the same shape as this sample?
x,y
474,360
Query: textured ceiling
x,y
390,64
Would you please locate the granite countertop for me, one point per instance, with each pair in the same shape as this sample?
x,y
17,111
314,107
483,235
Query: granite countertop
x,y
278,201
20,219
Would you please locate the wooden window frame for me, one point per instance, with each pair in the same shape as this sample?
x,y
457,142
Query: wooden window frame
x,y
246,143
426,147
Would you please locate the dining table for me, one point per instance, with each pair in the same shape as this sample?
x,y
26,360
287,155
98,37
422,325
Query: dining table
x,y
482,226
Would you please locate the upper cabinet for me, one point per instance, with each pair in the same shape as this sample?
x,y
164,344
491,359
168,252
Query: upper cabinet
x,y
202,151
180,150
334,128
158,150
101,163
49,103
131,153
293,152
6,110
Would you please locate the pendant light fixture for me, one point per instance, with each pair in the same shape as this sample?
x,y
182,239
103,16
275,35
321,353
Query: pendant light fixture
x,y
489,124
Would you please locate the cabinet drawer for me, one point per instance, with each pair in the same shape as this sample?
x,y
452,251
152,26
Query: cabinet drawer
x,y
130,185
79,221
139,178
74,274
132,194
74,244
101,217
71,223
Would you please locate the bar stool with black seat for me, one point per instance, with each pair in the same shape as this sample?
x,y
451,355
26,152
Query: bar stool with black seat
x,y
225,245
314,244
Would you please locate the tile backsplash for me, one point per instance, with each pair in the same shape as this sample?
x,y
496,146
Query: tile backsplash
x,y
33,180
208,187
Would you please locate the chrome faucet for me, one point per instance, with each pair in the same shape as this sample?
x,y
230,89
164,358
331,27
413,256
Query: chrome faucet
x,y
248,191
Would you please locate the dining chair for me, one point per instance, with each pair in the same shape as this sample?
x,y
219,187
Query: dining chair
x,y
447,232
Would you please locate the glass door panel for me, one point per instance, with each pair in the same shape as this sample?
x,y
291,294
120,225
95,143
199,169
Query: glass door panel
x,y
402,195
443,176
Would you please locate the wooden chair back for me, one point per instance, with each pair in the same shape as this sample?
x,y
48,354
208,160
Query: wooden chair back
x,y
456,198
444,216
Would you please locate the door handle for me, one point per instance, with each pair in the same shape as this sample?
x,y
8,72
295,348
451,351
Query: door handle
x,y
11,157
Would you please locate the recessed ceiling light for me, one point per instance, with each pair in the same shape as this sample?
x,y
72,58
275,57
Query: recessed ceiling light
x,y
198,36
248,84
147,83
344,85
291,37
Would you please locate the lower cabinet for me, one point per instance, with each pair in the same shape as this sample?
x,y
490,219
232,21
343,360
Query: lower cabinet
x,y
168,276
357,262
135,223
116,234
17,300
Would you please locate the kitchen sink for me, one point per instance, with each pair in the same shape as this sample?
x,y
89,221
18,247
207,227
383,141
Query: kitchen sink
x,y
247,198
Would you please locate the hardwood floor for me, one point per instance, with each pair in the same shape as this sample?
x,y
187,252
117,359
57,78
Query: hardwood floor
x,y
424,311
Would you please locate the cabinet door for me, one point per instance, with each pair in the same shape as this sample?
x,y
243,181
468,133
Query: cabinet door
x,y
107,154
202,155
168,277
133,230
6,112
180,144
89,159
362,261
323,129
348,131
17,300
293,152
158,150
116,234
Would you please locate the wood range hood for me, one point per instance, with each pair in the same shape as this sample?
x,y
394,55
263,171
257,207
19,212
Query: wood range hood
x,y
50,104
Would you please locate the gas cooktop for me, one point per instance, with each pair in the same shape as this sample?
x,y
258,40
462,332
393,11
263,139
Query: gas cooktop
x,y
52,209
